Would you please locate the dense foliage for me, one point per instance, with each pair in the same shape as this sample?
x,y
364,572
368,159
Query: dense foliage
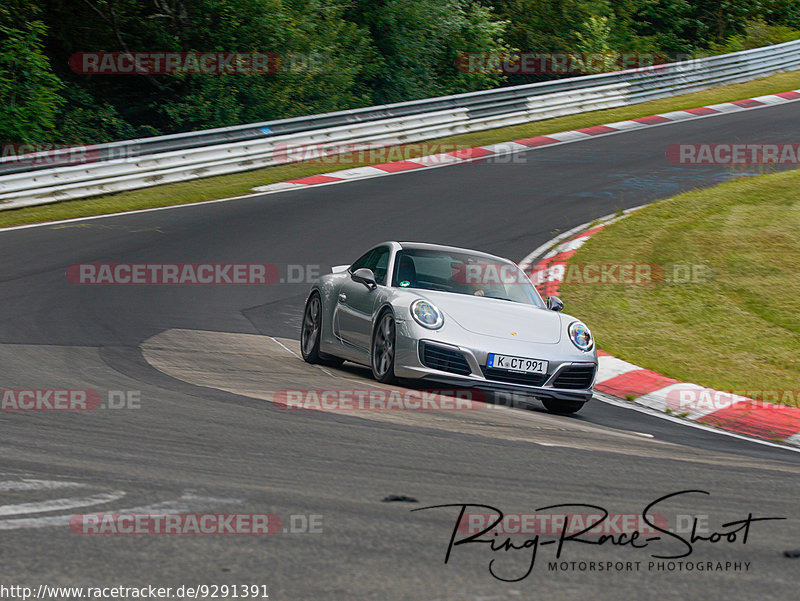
x,y
334,54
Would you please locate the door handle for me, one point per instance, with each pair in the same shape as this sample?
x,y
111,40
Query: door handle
x,y
342,297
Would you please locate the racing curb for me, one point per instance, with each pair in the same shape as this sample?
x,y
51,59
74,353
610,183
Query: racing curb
x,y
546,267
466,155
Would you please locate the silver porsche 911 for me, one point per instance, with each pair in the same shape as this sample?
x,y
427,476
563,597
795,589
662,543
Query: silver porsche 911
x,y
453,316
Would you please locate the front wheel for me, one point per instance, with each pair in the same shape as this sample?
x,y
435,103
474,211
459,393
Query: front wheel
x,y
562,407
311,332
383,349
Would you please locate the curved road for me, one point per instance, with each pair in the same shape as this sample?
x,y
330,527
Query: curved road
x,y
204,360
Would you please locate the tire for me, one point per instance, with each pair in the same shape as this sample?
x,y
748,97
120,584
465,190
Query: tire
x,y
382,353
311,333
562,407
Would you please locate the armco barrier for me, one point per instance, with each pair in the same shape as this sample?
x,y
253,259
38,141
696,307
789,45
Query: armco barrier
x,y
30,180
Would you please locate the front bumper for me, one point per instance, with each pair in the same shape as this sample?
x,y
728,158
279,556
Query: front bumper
x,y
409,364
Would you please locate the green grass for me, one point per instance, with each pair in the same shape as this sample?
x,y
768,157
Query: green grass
x,y
242,183
737,329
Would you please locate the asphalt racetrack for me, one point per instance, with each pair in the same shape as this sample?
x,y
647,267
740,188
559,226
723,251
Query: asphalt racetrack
x,y
203,362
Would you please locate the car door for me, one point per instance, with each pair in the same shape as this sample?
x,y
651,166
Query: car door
x,y
355,303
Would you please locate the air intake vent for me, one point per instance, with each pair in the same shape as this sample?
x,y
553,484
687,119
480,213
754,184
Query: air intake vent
x,y
501,375
576,378
444,359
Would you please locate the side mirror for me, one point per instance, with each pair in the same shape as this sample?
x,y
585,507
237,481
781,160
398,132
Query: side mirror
x,y
554,303
364,276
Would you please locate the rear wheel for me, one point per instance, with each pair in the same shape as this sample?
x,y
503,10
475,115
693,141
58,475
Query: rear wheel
x,y
383,349
562,407
311,332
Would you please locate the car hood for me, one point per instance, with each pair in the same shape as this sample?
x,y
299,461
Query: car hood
x,y
499,318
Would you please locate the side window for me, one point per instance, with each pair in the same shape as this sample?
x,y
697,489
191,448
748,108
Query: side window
x,y
376,260
363,261
381,261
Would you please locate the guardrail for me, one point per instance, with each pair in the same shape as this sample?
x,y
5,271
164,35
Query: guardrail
x,y
106,168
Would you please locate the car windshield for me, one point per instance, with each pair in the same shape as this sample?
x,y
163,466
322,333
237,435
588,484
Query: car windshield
x,y
463,273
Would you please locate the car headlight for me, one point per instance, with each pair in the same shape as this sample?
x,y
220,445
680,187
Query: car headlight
x,y
426,314
581,336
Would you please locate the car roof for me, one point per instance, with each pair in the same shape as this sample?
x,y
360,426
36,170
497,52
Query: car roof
x,y
427,246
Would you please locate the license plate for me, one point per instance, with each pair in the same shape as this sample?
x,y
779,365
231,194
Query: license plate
x,y
522,364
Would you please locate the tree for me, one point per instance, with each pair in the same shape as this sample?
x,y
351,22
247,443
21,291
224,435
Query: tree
x,y
324,60
29,90
420,42
335,54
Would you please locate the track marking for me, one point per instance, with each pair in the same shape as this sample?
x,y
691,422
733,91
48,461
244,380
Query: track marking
x,y
56,504
319,367
283,346
19,485
187,502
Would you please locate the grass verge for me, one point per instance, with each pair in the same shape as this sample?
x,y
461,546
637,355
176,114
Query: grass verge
x,y
242,183
737,326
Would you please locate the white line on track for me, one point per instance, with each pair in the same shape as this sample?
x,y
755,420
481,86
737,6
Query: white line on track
x,y
56,504
187,502
319,367
283,346
16,524
19,485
